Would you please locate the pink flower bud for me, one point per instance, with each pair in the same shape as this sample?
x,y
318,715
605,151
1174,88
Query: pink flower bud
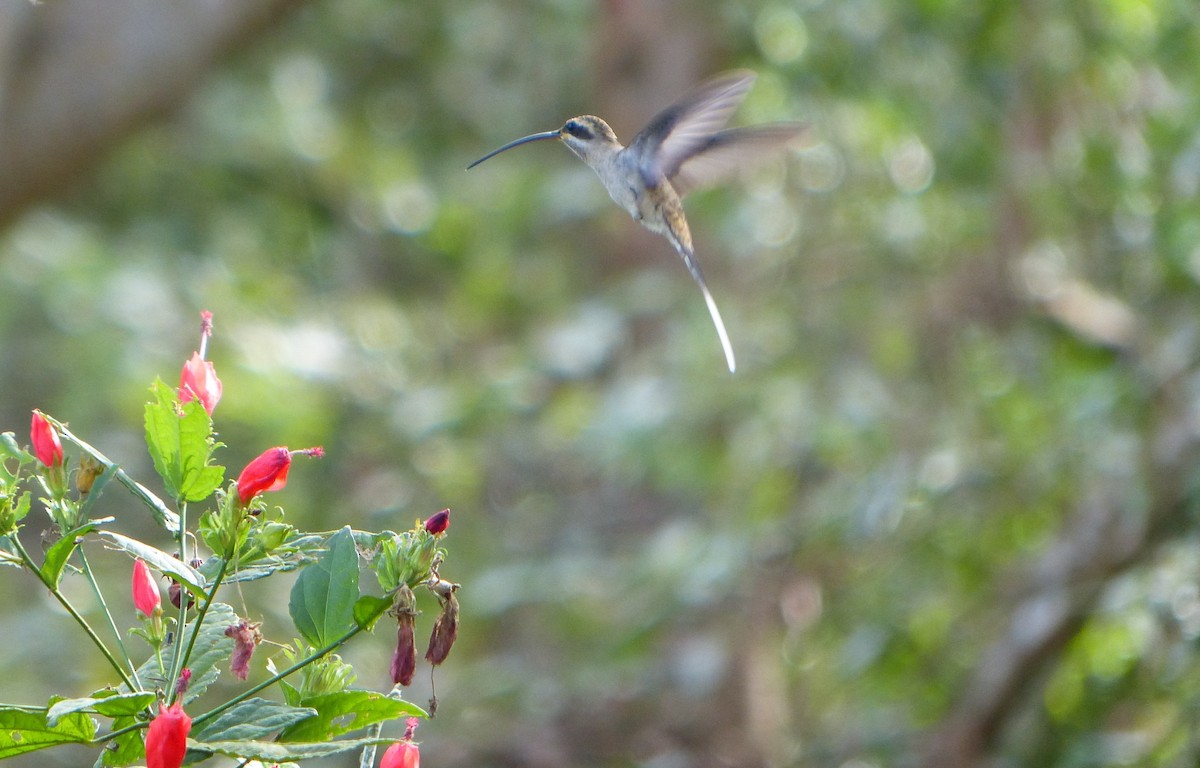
x,y
166,740
403,754
438,522
198,381
146,597
46,445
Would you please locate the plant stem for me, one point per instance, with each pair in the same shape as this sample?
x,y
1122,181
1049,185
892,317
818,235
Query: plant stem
x,y
62,599
87,570
329,648
182,659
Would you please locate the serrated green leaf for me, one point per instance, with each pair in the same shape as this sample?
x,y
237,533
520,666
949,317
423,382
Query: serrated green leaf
x,y
323,597
368,609
116,705
274,751
180,441
159,560
60,552
22,731
252,719
346,711
212,648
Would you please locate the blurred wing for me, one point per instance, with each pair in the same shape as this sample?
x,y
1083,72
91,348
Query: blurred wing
x,y
727,153
676,132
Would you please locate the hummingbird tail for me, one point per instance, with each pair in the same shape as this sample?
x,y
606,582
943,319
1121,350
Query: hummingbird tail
x,y
720,324
689,261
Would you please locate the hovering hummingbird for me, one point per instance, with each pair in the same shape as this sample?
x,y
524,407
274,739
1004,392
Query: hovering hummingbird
x,y
684,147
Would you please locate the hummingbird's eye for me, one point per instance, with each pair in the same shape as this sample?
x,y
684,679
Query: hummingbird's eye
x,y
577,129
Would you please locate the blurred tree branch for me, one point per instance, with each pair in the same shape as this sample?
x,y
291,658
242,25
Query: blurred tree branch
x,y
1059,589
76,77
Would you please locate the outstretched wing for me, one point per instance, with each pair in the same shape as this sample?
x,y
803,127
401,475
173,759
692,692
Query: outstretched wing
x,y
729,152
676,132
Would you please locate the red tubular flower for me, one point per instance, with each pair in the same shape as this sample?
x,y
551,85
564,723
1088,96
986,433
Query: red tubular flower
x,y
403,754
166,740
198,381
269,471
146,597
438,522
46,445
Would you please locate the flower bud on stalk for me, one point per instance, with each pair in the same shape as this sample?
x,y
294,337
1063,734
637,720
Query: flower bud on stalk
x,y
146,597
438,522
404,753
44,438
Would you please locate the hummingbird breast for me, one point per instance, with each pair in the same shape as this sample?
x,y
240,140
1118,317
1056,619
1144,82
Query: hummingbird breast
x,y
657,208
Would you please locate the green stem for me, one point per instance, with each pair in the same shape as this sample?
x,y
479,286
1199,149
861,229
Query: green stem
x,y
182,659
329,648
112,624
61,598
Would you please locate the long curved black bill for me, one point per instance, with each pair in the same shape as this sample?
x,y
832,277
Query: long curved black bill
x,y
516,143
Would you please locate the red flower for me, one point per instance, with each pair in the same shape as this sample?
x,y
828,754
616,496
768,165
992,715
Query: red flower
x,y
198,381
438,522
146,597
269,471
166,741
46,445
403,754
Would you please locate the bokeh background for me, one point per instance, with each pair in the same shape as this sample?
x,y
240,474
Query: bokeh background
x,y
943,515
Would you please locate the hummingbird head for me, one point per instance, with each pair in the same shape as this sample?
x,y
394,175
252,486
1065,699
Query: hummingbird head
x,y
589,137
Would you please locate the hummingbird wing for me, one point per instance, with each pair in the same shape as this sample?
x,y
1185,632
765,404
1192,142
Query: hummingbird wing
x,y
728,152
679,130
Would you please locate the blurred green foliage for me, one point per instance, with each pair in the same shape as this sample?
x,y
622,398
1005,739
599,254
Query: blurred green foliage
x,y
958,311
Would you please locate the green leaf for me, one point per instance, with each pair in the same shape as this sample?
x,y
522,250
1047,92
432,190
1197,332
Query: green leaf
x,y
212,648
180,441
22,731
116,705
345,711
323,597
275,752
160,561
252,719
60,552
368,609
127,748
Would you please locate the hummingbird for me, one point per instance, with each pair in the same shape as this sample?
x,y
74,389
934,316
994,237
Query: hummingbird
x,y
685,146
